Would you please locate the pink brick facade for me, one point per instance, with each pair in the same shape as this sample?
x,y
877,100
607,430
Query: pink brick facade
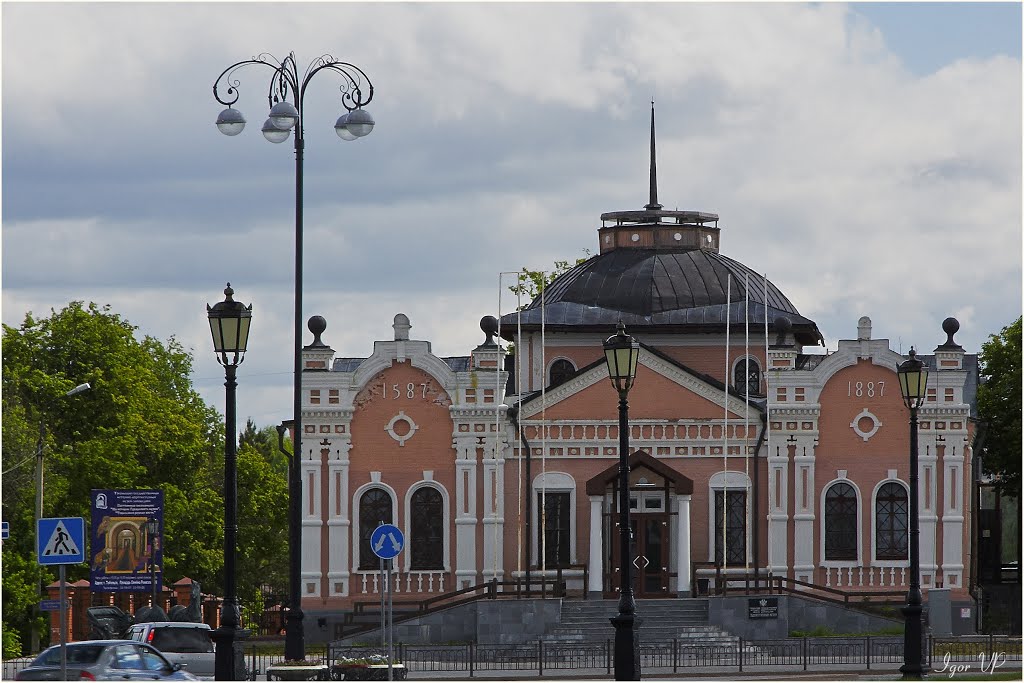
x,y
404,420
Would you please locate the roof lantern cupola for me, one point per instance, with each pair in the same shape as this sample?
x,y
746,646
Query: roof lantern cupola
x,y
655,228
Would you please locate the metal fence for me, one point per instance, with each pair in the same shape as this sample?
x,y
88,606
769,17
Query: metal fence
x,y
963,653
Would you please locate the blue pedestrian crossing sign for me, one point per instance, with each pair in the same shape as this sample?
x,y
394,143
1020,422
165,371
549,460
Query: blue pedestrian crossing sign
x,y
387,541
5,530
60,540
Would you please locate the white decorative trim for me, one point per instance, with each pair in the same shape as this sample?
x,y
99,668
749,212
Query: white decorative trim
x,y
876,423
401,439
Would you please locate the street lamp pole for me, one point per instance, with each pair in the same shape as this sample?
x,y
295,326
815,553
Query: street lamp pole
x,y
285,95
913,375
152,531
40,447
229,325
621,354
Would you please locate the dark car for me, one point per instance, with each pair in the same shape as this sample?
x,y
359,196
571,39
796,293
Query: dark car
x,y
105,660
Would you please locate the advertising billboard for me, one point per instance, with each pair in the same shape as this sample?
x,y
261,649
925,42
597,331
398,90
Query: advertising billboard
x,y
126,549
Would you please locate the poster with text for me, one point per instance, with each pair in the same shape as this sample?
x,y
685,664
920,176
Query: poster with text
x,y
127,528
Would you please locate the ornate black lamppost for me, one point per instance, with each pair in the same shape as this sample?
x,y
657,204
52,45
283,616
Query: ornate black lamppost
x,y
229,324
285,95
621,352
913,376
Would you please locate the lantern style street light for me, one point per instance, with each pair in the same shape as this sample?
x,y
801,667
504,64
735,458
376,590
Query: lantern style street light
x,y
229,325
285,94
621,352
913,375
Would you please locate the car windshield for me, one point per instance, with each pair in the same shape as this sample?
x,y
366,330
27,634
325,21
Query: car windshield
x,y
182,640
77,654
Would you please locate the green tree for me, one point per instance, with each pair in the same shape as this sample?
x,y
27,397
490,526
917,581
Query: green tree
x,y
140,426
533,282
265,441
999,406
262,529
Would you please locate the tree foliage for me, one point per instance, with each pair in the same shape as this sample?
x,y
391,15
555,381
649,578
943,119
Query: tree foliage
x,y
140,426
999,406
532,282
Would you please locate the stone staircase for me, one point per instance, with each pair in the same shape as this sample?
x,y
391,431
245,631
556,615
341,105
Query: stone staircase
x,y
685,619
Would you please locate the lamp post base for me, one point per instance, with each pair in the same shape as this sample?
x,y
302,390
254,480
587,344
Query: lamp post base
x,y
627,647
229,653
913,664
294,635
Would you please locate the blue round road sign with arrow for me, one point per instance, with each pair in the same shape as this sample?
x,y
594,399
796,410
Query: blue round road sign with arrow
x,y
387,541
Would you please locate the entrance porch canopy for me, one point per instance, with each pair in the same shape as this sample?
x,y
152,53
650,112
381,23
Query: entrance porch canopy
x,y
683,485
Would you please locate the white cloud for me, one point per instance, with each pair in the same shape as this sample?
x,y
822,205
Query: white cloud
x,y
503,132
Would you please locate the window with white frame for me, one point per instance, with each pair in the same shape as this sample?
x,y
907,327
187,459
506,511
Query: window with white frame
x,y
557,521
560,371
554,511
426,529
840,522
374,510
733,544
891,517
747,376
728,510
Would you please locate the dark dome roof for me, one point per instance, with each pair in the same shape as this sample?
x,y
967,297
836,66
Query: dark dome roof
x,y
672,290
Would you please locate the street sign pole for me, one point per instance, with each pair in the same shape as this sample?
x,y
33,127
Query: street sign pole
x,y
386,541
383,614
391,622
63,626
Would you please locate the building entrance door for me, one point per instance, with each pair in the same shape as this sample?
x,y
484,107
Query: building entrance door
x,y
650,561
649,553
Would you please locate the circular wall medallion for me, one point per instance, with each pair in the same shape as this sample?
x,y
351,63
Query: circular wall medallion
x,y
635,237
865,424
678,236
401,428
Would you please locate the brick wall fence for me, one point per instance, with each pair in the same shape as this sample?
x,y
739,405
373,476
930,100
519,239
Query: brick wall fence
x,y
81,597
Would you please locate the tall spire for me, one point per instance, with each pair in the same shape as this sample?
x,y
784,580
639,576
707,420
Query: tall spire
x,y
653,205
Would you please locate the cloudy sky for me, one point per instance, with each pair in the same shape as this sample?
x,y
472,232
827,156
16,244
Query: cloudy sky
x,y
867,157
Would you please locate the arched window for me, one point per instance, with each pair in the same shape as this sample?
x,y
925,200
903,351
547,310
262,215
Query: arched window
x,y
426,519
374,510
841,522
891,514
561,370
747,375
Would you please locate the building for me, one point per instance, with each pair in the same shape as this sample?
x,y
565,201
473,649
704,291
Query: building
x,y
749,455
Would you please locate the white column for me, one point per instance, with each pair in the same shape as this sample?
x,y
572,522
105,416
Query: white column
x,y
312,506
493,520
778,507
465,513
683,545
338,521
928,507
953,508
595,582
804,511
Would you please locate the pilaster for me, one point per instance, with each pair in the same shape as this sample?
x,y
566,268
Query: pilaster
x,y
595,580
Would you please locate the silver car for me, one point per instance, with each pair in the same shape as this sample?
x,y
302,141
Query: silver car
x,y
183,642
105,660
